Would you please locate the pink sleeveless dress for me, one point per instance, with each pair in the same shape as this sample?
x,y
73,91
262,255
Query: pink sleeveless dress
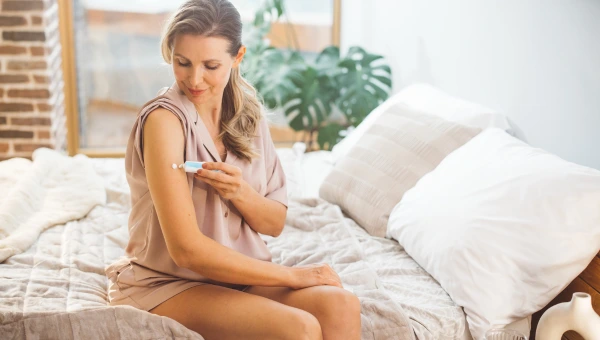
x,y
147,275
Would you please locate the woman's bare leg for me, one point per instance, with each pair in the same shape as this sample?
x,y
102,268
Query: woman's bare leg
x,y
217,312
337,310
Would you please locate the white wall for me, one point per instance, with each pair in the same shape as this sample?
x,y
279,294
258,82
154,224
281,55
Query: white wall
x,y
537,61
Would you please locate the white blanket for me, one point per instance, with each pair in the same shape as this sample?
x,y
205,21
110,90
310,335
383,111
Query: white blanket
x,y
316,232
57,287
399,299
36,195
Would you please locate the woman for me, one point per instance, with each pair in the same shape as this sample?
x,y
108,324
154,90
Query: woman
x,y
194,253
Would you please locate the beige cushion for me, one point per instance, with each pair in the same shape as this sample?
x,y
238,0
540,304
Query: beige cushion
x,y
400,147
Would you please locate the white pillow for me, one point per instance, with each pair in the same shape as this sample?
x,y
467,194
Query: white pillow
x,y
428,99
502,226
400,147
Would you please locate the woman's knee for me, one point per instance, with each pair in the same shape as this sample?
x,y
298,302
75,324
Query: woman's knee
x,y
304,326
340,304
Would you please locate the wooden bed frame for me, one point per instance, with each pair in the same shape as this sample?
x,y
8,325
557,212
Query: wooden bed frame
x,y
587,282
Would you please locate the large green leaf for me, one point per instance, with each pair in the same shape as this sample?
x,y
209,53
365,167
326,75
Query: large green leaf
x,y
276,74
256,44
355,84
329,135
271,9
254,38
327,60
363,84
252,63
310,105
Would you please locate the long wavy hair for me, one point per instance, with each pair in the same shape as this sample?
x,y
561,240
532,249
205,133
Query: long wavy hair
x,y
241,109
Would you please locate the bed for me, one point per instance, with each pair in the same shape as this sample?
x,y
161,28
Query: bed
x,y
315,165
54,283
57,287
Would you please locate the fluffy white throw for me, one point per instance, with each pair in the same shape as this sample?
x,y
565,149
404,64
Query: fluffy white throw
x,y
36,195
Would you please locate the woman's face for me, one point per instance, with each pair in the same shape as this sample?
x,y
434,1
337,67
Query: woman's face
x,y
202,67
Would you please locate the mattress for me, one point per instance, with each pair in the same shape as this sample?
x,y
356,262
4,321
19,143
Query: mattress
x,y
58,285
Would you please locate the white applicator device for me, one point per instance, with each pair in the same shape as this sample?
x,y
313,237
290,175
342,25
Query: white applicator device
x,y
190,166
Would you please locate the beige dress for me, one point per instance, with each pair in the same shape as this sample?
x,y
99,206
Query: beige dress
x,y
147,275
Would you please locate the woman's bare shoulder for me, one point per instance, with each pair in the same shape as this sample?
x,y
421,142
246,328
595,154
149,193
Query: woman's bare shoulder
x,y
163,131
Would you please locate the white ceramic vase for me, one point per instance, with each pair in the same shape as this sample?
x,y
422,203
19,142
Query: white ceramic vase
x,y
576,315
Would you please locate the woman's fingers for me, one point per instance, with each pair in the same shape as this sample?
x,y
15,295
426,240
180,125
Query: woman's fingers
x,y
336,277
213,175
226,178
212,182
227,186
226,168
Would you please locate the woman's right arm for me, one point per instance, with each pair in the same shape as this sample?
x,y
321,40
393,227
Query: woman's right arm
x,y
163,141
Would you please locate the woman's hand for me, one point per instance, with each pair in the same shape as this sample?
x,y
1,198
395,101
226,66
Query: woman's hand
x,y
318,274
228,183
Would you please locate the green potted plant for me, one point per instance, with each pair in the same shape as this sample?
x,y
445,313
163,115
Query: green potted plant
x,y
326,96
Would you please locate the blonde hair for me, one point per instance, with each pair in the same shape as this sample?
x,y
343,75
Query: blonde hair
x,y
241,109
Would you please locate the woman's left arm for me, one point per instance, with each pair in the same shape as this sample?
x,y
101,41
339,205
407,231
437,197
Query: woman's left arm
x,y
264,215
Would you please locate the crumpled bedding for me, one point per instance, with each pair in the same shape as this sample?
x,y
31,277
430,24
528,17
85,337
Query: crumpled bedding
x,y
378,270
37,195
58,288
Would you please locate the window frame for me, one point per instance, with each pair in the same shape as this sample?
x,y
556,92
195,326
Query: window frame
x,y
69,68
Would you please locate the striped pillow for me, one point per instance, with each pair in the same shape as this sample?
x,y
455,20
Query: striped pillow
x,y
401,146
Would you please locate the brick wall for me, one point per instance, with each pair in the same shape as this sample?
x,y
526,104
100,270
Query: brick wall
x,y
32,113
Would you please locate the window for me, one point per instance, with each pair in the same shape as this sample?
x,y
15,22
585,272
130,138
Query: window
x,y
113,63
